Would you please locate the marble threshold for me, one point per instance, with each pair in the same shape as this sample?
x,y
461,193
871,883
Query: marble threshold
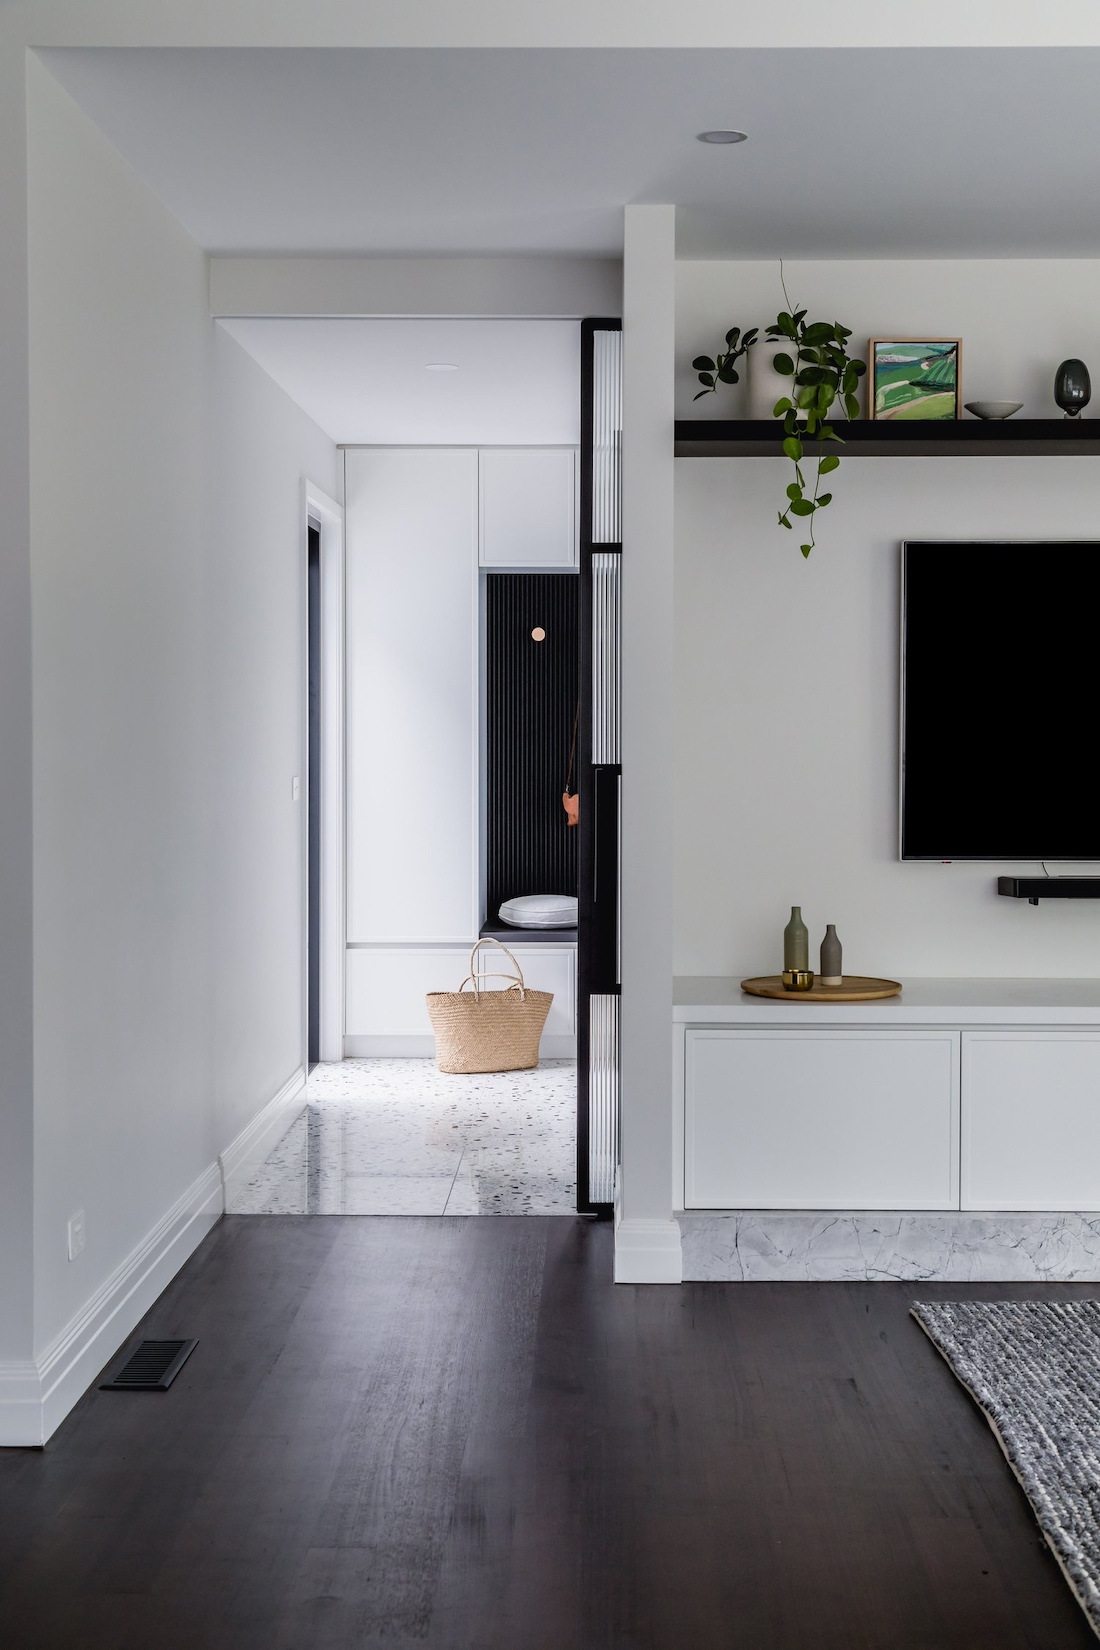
x,y
767,1246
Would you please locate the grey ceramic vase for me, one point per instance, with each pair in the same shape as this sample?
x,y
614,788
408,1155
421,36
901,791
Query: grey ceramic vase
x,y
830,958
796,941
1072,387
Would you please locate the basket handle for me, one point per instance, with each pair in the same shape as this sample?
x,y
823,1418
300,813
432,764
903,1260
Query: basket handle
x,y
477,974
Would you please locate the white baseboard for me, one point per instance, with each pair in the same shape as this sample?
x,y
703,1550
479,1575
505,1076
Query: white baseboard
x,y
423,1048
648,1251
20,1406
258,1139
36,1397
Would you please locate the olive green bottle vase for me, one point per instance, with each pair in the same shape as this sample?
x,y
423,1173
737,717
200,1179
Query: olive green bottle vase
x,y
796,942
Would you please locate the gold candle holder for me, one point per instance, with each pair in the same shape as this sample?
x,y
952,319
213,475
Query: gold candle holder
x,y
798,979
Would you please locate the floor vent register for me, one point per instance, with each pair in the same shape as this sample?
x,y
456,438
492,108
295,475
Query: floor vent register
x,y
151,1367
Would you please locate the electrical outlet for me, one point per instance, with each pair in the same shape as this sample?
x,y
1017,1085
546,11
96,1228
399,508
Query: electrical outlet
x,y
76,1234
295,788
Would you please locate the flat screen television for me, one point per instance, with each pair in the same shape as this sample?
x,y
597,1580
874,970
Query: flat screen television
x,y
1000,701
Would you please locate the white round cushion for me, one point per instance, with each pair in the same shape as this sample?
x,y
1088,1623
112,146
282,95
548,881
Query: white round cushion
x,y
540,911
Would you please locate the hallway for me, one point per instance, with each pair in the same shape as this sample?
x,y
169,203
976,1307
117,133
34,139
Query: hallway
x,y
400,1137
458,1435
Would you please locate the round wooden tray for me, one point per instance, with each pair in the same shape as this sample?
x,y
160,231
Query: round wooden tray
x,y
855,988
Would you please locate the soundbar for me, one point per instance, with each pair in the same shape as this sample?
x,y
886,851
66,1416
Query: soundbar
x,y
1034,889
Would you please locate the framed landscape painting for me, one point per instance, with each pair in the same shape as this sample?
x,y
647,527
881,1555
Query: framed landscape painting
x,y
915,377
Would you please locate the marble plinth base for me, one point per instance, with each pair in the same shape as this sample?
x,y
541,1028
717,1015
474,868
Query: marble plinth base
x,y
781,1245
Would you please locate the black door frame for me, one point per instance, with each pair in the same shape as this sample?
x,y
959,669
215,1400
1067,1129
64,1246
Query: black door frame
x,y
314,735
598,787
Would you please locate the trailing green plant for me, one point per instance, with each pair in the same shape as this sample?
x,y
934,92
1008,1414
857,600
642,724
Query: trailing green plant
x,y
723,370
822,372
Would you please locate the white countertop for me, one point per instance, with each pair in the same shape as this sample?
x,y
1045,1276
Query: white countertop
x,y
714,1000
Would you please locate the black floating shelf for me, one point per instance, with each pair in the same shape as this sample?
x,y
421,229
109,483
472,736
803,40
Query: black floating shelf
x,y
1037,888
528,936
884,438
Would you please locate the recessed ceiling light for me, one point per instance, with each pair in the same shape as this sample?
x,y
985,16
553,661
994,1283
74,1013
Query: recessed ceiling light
x,y
725,136
441,366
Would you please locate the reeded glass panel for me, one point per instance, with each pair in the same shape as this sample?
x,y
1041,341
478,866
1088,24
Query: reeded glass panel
x,y
606,653
607,437
603,1098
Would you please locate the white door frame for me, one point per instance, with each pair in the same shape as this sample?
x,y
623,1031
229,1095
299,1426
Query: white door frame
x,y
328,517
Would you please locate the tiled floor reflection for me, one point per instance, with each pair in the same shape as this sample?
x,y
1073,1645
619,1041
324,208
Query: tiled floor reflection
x,y
400,1137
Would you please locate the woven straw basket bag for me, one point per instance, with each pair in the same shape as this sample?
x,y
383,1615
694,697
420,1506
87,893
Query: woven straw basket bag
x,y
488,1030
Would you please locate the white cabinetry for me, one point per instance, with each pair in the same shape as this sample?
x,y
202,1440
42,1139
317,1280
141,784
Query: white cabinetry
x,y
386,988
528,515
821,1120
963,1095
416,520
411,717
1031,1120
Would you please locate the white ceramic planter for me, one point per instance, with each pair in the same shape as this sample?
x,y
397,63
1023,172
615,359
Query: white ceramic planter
x,y
764,384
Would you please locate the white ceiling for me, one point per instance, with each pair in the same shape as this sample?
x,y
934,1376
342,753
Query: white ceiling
x,y
888,153
518,382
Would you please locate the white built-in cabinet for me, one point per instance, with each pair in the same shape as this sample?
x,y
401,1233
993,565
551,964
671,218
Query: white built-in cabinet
x,y
386,987
419,524
822,1120
411,712
528,507
1031,1120
896,1114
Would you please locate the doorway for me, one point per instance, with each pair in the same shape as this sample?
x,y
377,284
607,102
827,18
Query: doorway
x,y
380,685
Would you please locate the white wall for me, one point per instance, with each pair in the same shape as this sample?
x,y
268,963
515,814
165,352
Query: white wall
x,y
263,446
519,287
1017,318
787,671
16,1059
167,578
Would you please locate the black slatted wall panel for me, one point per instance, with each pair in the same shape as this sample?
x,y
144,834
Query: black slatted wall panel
x,y
531,703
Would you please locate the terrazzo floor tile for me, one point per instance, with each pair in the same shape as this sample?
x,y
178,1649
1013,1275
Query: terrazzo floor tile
x,y
395,1194
402,1137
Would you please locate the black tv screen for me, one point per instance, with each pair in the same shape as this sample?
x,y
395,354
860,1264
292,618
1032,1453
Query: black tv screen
x,y
1000,701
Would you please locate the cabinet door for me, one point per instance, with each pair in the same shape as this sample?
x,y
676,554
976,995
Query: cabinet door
x,y
528,507
412,709
1031,1120
829,1120
386,987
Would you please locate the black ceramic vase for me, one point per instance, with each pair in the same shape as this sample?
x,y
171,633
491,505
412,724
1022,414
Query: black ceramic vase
x,y
831,966
1072,387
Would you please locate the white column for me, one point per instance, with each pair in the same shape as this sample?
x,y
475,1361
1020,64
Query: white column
x,y
647,1239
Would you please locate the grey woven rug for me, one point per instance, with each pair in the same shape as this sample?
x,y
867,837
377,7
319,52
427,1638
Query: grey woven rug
x,y
1034,1368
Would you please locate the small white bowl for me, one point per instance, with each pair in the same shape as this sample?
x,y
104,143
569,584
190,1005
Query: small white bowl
x,y
993,409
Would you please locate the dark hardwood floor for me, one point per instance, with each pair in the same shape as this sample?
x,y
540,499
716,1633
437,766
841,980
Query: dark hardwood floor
x,y
457,1434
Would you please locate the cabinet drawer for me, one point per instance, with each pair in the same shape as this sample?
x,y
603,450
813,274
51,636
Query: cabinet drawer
x,y
386,988
830,1120
527,507
1031,1120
